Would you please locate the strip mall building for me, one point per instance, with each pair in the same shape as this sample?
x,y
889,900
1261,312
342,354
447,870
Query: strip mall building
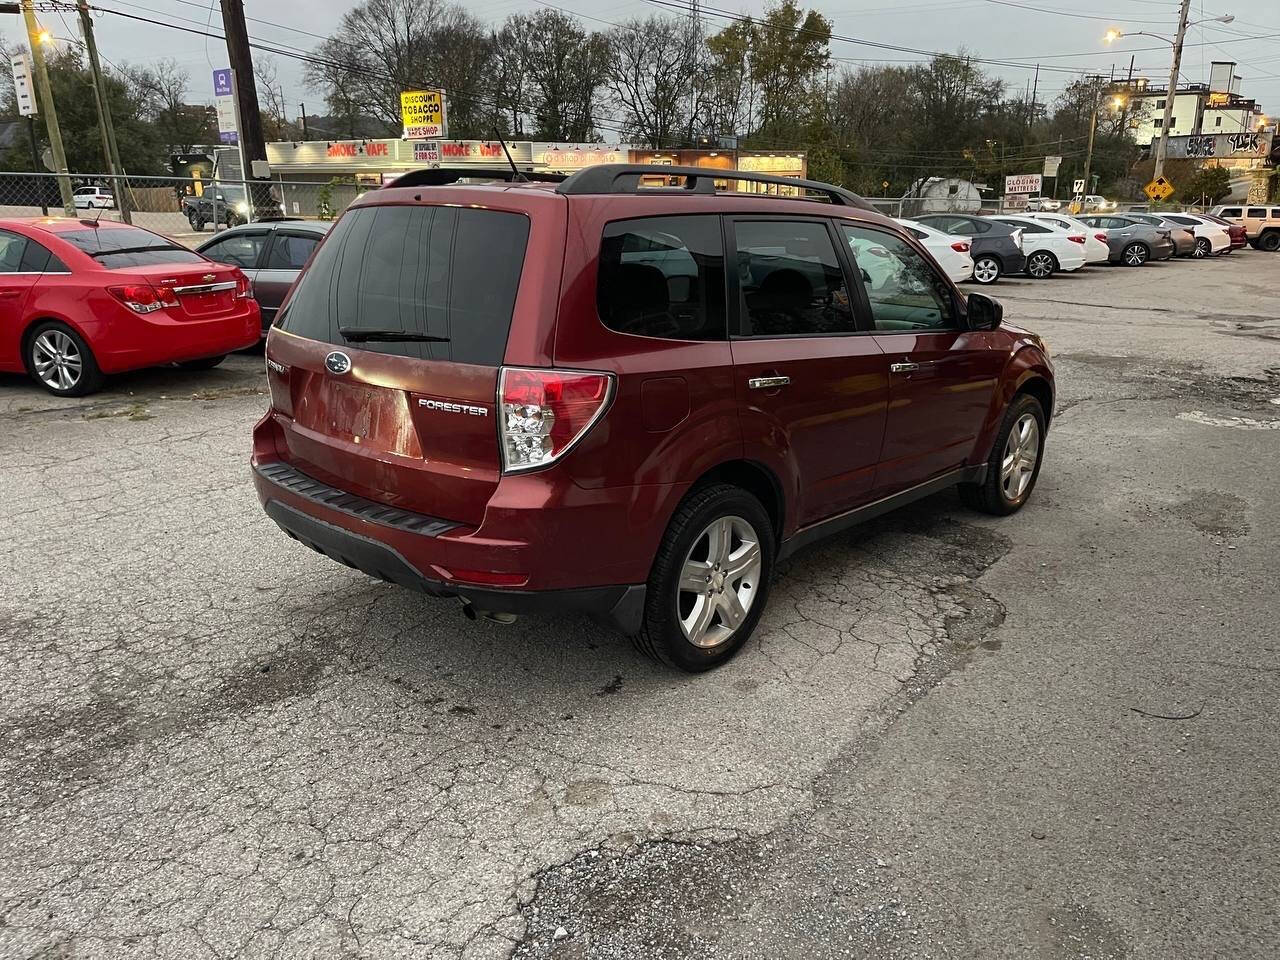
x,y
360,164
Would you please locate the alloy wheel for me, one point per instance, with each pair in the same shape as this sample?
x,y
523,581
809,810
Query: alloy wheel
x,y
1040,265
1135,255
57,360
986,271
1202,248
1021,451
718,581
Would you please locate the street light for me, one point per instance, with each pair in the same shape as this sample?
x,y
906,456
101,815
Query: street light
x,y
1112,35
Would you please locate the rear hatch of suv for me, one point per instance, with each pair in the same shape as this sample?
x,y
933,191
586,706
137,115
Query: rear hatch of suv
x,y
384,360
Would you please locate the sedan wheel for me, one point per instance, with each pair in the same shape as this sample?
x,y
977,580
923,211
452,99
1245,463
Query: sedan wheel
x,y
986,270
718,582
61,362
1021,451
1135,255
1041,265
1203,249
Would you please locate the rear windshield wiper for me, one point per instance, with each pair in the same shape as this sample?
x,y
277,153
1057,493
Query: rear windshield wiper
x,y
359,335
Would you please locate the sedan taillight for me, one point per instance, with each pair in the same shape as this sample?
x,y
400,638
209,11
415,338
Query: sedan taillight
x,y
1100,236
545,412
144,298
244,288
960,246
1076,238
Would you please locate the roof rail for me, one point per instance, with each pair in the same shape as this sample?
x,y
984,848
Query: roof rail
x,y
441,176
625,178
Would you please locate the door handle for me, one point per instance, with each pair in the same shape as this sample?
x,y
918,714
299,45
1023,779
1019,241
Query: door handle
x,y
903,367
10,294
767,383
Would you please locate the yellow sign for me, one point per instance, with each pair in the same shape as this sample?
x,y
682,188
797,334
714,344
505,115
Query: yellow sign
x,y
1159,189
422,112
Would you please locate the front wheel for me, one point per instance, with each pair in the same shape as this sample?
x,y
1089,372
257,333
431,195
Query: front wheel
x,y
710,581
986,270
1135,255
1203,248
196,223
1041,265
1014,463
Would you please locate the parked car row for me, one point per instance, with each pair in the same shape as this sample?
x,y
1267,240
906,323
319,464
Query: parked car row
x,y
1041,243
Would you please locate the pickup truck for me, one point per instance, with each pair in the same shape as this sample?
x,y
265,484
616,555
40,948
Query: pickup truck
x,y
1261,223
227,205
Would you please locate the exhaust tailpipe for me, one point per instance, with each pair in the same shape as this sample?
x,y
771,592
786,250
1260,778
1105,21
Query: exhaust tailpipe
x,y
471,613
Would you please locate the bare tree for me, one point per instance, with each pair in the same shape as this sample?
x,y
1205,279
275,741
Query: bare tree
x,y
565,67
511,79
648,71
271,105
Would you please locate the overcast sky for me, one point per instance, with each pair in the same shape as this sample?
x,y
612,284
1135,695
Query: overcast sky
x,y
1062,36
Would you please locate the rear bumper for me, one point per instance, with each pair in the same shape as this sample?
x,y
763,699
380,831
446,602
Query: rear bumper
x,y
147,341
619,606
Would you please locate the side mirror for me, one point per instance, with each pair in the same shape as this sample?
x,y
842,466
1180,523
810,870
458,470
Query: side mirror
x,y
983,312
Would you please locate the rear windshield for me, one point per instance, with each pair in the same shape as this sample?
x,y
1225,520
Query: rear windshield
x,y
119,247
440,271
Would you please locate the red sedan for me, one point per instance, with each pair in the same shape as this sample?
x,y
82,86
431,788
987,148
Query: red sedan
x,y
80,299
1236,231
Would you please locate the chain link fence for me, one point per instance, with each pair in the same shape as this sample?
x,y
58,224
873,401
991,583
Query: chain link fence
x,y
179,207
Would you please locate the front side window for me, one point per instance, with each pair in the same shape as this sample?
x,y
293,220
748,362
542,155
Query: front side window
x,y
241,249
790,280
904,290
1231,211
663,277
289,251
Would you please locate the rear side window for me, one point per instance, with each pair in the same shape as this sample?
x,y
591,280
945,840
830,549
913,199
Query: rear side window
x,y
663,277
433,271
1258,212
790,280
289,251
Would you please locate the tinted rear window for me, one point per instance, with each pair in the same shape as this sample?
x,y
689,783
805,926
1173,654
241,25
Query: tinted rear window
x,y
442,271
118,247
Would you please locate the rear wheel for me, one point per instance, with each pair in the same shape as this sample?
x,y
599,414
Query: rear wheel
x,y
1269,242
61,362
1203,248
204,363
986,270
710,580
1014,463
1041,265
1135,255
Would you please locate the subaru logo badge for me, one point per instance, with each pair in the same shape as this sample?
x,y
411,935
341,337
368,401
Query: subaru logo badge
x,y
337,362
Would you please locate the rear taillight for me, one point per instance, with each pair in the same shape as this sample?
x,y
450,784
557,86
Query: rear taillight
x,y
144,298
1076,238
960,246
1100,236
244,288
545,412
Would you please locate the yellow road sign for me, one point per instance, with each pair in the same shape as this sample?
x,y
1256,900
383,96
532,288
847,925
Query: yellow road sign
x,y
1159,189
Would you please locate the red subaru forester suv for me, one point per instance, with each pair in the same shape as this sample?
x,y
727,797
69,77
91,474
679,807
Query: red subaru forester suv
x,y
597,395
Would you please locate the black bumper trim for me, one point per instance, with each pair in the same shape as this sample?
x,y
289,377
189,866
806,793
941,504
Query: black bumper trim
x,y
296,482
619,606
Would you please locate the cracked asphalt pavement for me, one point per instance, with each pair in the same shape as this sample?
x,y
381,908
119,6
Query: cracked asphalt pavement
x,y
1048,736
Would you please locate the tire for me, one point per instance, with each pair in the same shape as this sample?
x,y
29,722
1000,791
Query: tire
x,y
1203,248
1270,241
986,270
1041,265
1000,495
1135,255
691,544
204,363
60,361
197,224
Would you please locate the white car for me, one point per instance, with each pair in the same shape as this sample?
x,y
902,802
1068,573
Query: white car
x,y
1095,241
1047,204
1048,248
87,198
1212,238
950,252
1096,204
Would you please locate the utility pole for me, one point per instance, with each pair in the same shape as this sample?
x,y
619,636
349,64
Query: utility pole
x,y
1163,145
120,186
35,161
252,145
305,134
46,105
1035,89
1088,157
